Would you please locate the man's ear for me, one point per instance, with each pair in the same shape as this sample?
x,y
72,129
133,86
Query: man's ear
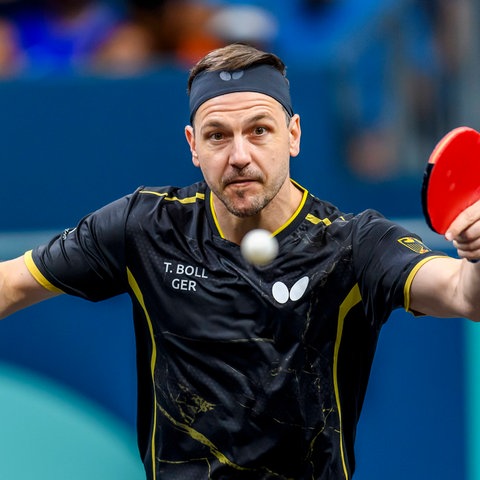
x,y
190,136
295,135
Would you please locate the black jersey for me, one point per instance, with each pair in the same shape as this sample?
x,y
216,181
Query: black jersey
x,y
243,372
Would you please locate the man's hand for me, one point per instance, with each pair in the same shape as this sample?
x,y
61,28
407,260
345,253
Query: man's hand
x,y
464,232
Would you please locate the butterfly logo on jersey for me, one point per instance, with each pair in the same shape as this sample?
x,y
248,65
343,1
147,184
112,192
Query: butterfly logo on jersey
x,y
281,293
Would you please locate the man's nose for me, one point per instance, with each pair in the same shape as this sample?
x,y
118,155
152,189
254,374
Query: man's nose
x,y
239,153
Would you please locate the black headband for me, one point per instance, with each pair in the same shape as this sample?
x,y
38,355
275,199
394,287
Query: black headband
x,y
259,78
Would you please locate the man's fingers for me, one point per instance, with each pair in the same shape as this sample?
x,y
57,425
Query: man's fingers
x,y
466,227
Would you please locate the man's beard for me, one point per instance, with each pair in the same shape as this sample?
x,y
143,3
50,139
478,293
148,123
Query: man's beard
x,y
254,207
257,201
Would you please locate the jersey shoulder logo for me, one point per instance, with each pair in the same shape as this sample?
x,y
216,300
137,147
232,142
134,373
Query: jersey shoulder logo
x,y
414,244
281,293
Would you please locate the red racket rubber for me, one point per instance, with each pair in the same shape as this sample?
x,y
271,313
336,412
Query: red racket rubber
x,y
451,181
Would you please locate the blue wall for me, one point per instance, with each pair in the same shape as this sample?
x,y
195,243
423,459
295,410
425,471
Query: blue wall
x,y
71,145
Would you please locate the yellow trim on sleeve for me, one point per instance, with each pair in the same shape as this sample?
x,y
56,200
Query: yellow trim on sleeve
x,y
411,275
37,274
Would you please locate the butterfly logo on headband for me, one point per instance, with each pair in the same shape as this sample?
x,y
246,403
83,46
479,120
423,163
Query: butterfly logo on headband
x,y
227,76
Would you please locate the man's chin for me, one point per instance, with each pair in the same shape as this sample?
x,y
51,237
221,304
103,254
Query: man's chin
x,y
243,204
244,213
243,210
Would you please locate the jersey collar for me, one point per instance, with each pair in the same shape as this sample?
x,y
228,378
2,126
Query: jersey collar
x,y
291,221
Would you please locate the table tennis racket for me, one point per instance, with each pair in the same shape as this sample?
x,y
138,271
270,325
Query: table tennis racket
x,y
451,181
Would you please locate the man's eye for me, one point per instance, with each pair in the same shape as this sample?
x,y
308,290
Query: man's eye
x,y
216,136
260,130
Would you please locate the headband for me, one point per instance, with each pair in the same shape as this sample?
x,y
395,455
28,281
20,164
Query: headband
x,y
259,78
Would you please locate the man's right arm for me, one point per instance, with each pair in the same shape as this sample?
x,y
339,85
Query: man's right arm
x,y
19,288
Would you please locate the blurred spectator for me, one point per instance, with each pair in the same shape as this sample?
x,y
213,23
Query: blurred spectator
x,y
422,90
11,56
183,35
58,35
157,32
179,32
244,23
51,36
451,39
129,50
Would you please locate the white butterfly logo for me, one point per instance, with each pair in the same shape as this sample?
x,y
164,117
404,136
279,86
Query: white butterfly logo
x,y
282,294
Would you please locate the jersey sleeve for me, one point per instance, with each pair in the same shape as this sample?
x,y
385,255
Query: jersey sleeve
x,y
386,256
89,260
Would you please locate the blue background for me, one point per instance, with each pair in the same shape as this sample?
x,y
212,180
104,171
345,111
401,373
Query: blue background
x,y
70,144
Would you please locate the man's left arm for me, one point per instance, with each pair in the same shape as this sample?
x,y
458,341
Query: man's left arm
x,y
448,287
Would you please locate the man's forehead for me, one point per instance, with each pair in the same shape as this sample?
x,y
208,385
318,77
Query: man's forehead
x,y
238,107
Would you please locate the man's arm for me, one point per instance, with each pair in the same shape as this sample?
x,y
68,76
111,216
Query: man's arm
x,y
447,287
18,287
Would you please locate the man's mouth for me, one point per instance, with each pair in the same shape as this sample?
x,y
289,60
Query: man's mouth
x,y
239,182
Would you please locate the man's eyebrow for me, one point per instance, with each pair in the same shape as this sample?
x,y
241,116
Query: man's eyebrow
x,y
260,116
219,124
211,124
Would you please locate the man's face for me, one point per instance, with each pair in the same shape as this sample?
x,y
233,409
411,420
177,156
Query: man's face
x,y
242,144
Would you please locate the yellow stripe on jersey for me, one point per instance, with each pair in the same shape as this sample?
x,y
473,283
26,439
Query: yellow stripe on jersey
x,y
139,296
297,211
180,426
37,274
411,275
214,216
353,298
315,220
185,200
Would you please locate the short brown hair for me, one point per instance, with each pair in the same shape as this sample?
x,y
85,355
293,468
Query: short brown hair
x,y
236,56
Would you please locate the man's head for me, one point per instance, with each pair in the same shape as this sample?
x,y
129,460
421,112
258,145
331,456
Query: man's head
x,y
243,129
238,68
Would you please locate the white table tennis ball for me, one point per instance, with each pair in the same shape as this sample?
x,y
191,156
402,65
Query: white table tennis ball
x,y
259,247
